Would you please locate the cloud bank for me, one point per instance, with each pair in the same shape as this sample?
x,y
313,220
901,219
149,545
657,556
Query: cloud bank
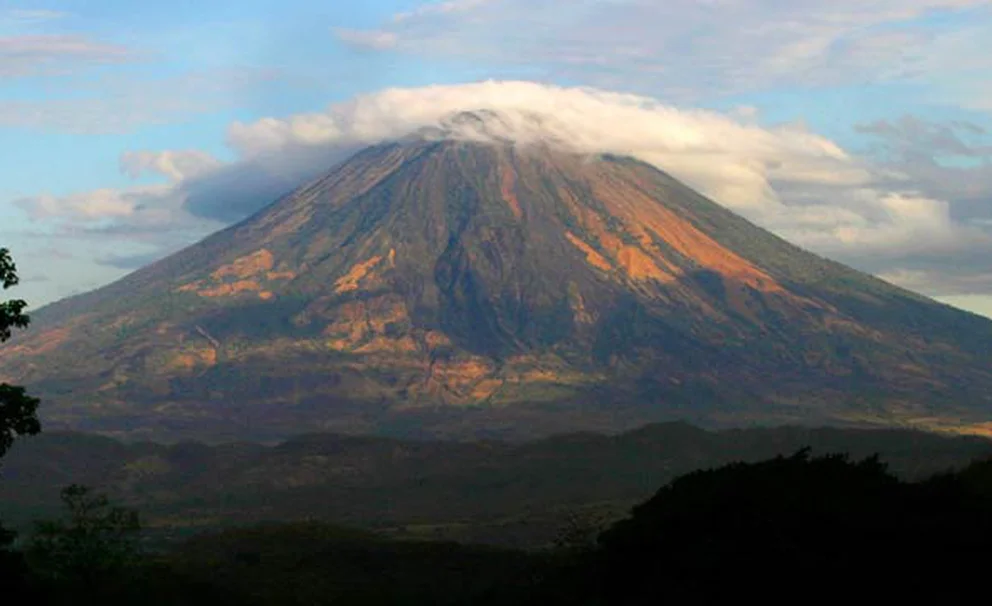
x,y
797,183
689,47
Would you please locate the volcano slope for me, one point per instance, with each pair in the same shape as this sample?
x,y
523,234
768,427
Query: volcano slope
x,y
438,287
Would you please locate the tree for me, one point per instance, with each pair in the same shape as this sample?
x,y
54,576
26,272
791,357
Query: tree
x,y
18,410
13,570
579,531
92,544
17,415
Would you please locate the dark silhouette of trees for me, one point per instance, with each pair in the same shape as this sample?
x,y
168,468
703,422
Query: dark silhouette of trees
x,y
794,528
578,531
13,569
797,528
18,411
17,417
92,556
94,542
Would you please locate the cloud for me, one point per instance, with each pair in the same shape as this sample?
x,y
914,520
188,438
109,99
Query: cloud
x,y
979,304
798,183
949,161
22,15
91,206
176,165
734,45
236,191
941,283
109,233
911,134
802,185
122,229
151,215
35,278
45,54
727,158
130,262
446,7
81,93
366,39
119,103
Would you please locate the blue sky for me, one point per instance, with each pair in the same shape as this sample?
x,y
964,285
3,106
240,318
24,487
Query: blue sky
x,y
903,87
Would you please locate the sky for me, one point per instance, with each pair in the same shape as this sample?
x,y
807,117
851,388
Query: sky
x,y
861,130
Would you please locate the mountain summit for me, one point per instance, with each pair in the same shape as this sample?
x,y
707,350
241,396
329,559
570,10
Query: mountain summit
x,y
465,287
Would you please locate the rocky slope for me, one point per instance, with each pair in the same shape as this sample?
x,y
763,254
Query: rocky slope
x,y
438,287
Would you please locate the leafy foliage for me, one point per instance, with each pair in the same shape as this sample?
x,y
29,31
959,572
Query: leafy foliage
x,y
17,409
800,528
13,570
17,414
96,539
91,557
579,530
11,312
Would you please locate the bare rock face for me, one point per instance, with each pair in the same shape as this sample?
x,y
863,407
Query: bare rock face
x,y
439,287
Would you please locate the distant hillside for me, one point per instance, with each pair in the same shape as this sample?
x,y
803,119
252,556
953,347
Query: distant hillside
x,y
441,288
801,528
492,492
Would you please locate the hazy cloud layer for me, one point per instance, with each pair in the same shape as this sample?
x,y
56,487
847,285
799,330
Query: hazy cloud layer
x,y
687,46
118,226
949,161
116,104
44,54
362,39
176,165
23,15
800,184
795,182
728,158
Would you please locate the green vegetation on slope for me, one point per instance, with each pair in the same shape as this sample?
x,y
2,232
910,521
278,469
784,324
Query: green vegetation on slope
x,y
505,494
788,529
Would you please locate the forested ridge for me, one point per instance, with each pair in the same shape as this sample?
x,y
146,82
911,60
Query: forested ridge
x,y
798,527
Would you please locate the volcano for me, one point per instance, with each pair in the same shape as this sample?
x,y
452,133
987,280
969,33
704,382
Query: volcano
x,y
462,288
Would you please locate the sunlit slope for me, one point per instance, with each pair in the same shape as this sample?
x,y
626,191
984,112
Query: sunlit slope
x,y
442,287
